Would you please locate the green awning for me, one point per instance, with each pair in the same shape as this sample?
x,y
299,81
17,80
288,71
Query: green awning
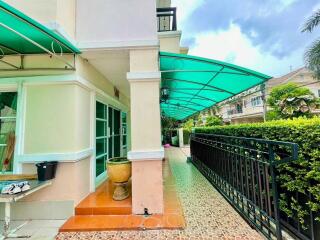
x,y
19,34
191,84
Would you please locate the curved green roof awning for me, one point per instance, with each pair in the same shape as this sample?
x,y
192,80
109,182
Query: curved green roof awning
x,y
191,84
19,34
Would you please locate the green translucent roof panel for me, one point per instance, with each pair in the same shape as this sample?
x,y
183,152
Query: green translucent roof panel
x,y
193,84
16,28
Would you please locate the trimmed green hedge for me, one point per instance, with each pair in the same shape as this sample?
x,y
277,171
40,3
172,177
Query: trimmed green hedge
x,y
186,136
302,176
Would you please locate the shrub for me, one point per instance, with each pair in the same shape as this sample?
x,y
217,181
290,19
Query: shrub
x,y
302,176
290,100
213,121
186,136
188,124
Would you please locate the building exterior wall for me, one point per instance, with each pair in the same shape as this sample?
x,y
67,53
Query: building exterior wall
x,y
86,71
51,66
57,119
57,125
58,106
72,182
93,19
163,3
170,41
42,11
50,13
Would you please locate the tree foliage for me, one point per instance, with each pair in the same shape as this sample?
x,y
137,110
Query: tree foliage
x,y
168,123
289,100
189,124
312,55
213,121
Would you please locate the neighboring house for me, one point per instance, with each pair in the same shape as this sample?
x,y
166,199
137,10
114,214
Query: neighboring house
x,y
81,110
249,106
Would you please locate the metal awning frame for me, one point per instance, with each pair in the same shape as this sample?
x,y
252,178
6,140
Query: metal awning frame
x,y
188,99
51,52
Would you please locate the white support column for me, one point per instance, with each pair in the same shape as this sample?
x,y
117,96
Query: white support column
x,y
180,135
146,153
20,126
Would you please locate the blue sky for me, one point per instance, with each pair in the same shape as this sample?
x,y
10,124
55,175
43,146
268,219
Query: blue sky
x,y
264,35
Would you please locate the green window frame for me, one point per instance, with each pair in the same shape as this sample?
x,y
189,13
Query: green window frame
x,y
114,132
124,134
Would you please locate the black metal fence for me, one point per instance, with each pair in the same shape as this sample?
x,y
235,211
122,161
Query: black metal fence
x,y
310,229
244,171
167,19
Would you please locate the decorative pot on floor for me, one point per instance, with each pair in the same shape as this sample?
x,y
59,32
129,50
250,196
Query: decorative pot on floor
x,y
119,172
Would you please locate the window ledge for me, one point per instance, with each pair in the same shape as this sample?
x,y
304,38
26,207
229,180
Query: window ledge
x,y
60,157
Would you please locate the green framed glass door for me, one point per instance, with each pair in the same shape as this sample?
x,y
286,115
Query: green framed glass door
x,y
124,148
110,124
101,138
114,132
109,137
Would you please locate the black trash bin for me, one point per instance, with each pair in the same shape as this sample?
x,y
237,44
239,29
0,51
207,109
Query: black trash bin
x,y
46,170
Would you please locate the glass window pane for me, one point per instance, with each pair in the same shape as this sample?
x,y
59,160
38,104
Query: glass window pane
x,y
8,111
100,128
100,165
100,143
100,110
110,147
7,126
8,104
124,117
124,129
110,118
116,122
117,146
124,140
124,151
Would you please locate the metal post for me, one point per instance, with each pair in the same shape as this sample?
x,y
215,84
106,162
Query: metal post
x,y
275,192
6,219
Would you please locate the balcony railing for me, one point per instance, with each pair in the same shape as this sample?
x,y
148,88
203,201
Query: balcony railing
x,y
235,111
167,19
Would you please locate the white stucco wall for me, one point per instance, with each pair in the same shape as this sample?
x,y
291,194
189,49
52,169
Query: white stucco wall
x,y
47,12
114,20
57,119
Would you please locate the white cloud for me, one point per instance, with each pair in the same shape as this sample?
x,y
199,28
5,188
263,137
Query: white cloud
x,y
287,3
233,46
185,8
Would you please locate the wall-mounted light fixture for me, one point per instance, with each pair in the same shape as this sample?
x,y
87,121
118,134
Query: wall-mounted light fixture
x,y
164,94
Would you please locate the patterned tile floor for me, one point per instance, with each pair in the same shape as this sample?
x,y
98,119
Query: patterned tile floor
x,y
208,214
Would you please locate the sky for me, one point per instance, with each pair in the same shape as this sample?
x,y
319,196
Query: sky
x,y
263,35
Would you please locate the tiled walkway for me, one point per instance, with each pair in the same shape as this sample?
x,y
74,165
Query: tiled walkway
x,y
207,213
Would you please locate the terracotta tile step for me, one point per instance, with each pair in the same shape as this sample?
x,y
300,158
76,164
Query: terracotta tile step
x,y
122,222
103,210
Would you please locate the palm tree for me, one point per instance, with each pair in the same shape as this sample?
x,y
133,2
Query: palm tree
x,y
312,55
